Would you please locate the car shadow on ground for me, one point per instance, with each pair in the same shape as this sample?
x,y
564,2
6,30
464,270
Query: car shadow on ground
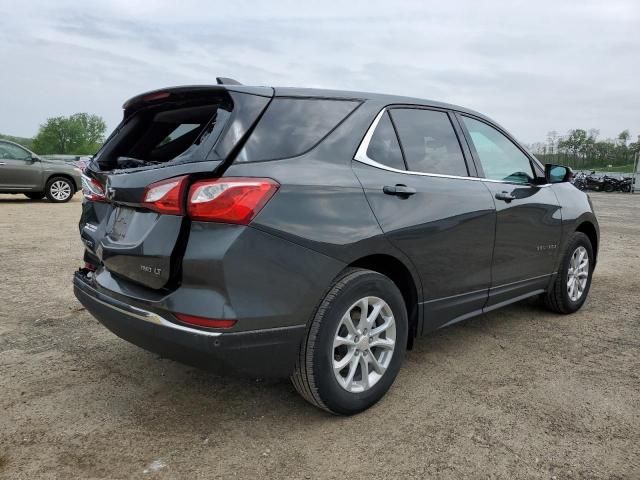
x,y
186,398
19,199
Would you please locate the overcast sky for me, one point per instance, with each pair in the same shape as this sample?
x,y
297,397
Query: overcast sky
x,y
533,66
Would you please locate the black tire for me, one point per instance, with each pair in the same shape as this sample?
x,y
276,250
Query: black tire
x,y
625,188
51,190
557,299
34,195
313,376
608,187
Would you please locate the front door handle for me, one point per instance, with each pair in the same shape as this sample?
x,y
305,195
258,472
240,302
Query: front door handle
x,y
506,196
399,190
3,163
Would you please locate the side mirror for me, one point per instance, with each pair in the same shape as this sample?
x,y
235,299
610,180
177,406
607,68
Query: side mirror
x,y
557,173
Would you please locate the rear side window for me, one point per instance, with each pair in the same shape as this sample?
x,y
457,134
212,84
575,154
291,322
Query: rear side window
x,y
292,126
384,147
429,142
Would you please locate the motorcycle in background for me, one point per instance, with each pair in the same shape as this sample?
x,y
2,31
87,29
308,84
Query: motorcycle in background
x,y
606,183
594,182
580,181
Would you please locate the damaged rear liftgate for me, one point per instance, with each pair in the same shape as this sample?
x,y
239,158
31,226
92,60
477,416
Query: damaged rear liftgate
x,y
174,135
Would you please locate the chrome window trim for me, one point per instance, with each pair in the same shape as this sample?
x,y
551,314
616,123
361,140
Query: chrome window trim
x,y
362,157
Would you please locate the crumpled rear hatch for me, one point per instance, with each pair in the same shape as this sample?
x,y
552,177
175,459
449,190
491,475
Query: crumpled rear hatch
x,y
181,133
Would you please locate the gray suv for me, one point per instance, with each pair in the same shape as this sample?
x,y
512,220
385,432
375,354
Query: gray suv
x,y
317,234
22,171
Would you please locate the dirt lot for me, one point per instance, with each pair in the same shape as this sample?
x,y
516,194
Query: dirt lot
x,y
519,393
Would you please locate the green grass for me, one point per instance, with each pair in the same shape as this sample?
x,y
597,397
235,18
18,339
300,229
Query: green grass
x,y
627,168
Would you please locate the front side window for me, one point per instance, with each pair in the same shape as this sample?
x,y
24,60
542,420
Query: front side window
x,y
499,156
384,147
13,152
292,126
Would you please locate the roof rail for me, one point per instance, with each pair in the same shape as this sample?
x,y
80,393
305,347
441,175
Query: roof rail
x,y
227,81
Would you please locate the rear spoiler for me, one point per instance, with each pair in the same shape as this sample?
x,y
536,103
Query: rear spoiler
x,y
165,94
180,93
227,81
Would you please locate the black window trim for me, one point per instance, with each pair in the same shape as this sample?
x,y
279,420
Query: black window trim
x,y
395,131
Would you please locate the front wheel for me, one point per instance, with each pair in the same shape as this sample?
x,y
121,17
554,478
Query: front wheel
x,y
571,285
355,344
59,189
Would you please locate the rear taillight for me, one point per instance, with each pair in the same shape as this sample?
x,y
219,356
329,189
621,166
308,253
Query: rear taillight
x,y
166,196
204,322
229,200
93,189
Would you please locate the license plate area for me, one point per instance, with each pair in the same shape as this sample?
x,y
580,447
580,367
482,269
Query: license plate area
x,y
121,223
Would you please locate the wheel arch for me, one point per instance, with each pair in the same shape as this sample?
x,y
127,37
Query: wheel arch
x,y
589,229
401,276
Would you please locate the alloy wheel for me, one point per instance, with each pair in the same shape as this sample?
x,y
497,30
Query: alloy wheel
x,y
363,344
60,190
578,273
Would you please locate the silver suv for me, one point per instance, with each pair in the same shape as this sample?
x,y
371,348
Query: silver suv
x,y
22,171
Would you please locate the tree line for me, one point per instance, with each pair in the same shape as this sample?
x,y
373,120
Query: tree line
x,y
583,150
77,134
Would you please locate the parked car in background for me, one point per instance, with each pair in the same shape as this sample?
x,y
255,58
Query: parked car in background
x,y
315,233
22,171
83,162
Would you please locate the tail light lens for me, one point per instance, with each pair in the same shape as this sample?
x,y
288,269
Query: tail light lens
x,y
204,322
93,189
229,200
166,196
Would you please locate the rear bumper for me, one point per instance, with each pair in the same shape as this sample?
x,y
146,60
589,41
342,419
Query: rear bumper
x,y
269,352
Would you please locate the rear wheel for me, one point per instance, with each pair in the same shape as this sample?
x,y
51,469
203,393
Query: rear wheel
x,y
59,189
608,187
34,195
572,283
355,344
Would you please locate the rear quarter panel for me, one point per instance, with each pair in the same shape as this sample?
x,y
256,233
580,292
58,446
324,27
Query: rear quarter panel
x,y
321,204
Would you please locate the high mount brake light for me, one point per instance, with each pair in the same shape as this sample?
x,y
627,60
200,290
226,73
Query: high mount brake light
x,y
92,189
229,200
155,96
166,196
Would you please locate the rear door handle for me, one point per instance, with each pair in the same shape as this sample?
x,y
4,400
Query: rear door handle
x,y
399,190
506,196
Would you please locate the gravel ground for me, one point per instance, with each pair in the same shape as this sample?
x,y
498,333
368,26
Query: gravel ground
x,y
518,393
